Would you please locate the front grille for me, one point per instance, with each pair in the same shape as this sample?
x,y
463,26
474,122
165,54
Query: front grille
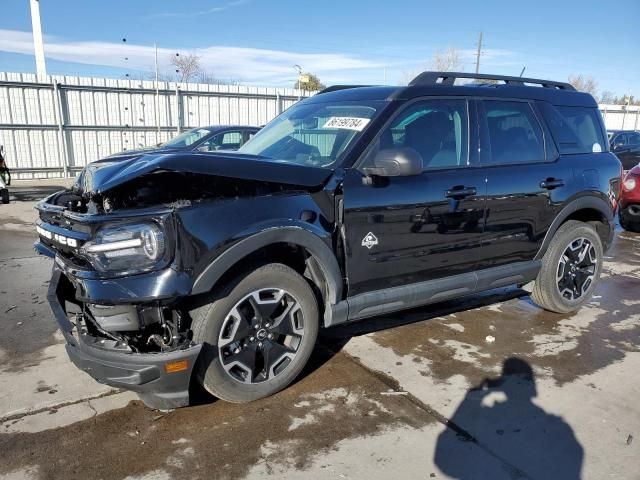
x,y
57,244
58,220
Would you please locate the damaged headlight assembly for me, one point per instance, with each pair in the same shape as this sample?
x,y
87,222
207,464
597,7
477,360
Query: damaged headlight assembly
x,y
127,248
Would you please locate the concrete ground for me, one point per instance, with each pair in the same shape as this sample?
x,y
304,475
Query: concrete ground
x,y
486,388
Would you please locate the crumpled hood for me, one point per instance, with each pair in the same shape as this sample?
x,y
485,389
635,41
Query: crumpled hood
x,y
103,175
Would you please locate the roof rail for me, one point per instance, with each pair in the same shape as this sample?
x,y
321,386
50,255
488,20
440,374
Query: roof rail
x,y
335,88
448,78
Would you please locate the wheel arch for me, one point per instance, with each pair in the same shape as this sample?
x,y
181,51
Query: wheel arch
x,y
319,260
590,209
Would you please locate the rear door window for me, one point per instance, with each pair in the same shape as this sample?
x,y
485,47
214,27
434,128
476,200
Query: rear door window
x,y
575,129
513,131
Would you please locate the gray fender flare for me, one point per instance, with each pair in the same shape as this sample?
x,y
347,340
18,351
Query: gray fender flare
x,y
321,252
581,203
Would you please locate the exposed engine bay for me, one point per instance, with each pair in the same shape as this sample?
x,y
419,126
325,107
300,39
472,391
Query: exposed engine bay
x,y
162,188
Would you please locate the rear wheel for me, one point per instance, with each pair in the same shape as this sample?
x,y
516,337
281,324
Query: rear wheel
x,y
570,268
4,195
257,333
630,218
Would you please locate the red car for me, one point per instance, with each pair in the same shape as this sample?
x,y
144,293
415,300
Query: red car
x,y
630,200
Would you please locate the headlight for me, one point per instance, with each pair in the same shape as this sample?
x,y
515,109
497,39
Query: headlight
x,y
126,248
629,184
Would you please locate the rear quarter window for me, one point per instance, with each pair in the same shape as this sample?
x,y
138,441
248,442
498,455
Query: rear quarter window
x,y
575,129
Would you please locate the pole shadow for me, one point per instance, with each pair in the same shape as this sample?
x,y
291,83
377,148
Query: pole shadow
x,y
500,417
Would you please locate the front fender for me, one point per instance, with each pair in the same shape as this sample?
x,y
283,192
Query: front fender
x,y
296,234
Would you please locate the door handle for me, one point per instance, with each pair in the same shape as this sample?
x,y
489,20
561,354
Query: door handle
x,y
460,192
551,183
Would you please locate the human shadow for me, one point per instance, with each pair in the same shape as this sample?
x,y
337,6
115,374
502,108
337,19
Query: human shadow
x,y
518,436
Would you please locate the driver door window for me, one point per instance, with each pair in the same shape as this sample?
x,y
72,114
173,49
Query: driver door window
x,y
436,129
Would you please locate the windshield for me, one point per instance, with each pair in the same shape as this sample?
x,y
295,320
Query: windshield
x,y
187,139
315,134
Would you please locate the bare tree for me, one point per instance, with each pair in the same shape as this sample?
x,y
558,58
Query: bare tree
x,y
607,97
187,66
447,60
443,60
584,84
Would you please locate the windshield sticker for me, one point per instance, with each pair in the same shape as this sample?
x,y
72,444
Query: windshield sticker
x,y
347,123
596,148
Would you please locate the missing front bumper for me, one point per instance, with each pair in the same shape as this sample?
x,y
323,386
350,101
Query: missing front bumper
x,y
160,379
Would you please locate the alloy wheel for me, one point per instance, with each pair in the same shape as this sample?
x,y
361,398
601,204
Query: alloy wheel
x,y
576,268
261,335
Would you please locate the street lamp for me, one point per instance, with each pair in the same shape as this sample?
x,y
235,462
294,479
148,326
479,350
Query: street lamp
x,y
298,69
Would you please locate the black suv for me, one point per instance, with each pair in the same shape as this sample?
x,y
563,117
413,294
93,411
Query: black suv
x,y
626,145
356,202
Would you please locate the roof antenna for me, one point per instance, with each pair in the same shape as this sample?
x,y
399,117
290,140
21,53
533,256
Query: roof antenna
x,y
522,72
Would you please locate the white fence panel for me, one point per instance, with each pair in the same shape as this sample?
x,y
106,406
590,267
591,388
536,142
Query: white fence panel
x,y
621,117
55,125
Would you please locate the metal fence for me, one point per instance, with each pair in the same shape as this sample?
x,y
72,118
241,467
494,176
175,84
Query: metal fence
x,y
53,126
621,117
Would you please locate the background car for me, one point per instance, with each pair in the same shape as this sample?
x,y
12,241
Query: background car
x,y
202,139
630,201
626,145
5,178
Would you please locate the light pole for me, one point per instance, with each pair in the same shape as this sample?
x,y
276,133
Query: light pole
x,y
38,43
298,69
157,109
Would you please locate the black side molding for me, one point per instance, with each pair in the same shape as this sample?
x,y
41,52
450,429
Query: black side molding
x,y
408,296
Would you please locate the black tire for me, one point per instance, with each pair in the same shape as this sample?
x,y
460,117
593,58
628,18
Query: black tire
x,y
4,195
547,289
209,320
628,220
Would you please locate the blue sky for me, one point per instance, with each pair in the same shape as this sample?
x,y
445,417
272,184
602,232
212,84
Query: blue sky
x,y
354,41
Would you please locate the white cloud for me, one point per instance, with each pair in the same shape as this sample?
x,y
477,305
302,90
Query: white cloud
x,y
188,14
254,65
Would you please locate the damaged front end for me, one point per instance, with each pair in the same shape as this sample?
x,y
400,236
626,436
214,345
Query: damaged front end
x,y
129,240
117,295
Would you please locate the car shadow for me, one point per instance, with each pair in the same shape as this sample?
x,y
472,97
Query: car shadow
x,y
338,336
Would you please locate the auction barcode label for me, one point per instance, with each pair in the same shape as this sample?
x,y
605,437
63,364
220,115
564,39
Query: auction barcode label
x,y
348,123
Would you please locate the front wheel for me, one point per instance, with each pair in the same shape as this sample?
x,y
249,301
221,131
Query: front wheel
x,y
257,333
570,268
4,195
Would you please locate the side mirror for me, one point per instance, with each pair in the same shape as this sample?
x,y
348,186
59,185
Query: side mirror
x,y
203,148
396,162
